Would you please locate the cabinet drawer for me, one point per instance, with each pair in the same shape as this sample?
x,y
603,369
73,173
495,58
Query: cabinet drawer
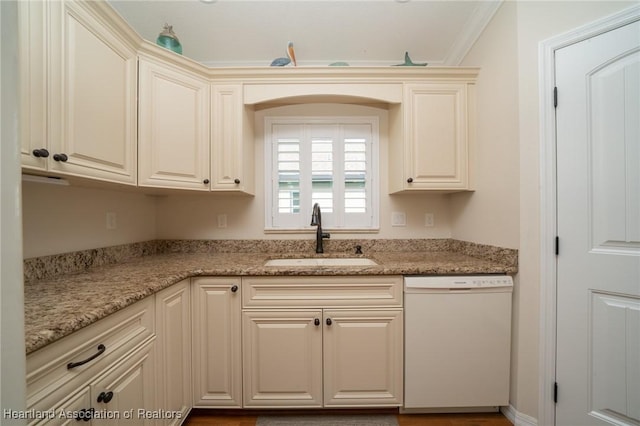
x,y
49,380
326,292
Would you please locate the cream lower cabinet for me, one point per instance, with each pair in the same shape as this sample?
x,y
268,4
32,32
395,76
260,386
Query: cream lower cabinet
x,y
126,394
173,347
104,373
282,355
217,359
363,357
322,342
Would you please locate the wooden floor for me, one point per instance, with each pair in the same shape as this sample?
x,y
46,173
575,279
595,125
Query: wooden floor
x,y
244,418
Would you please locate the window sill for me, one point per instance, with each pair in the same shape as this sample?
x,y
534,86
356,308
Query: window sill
x,y
313,231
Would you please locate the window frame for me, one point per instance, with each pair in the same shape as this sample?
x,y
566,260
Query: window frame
x,y
274,221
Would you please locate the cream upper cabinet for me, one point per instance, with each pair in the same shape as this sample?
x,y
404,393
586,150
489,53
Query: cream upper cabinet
x,y
217,356
232,167
34,137
173,348
79,91
173,138
431,138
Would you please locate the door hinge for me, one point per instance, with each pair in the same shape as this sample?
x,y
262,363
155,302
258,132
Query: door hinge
x,y
555,392
557,245
555,97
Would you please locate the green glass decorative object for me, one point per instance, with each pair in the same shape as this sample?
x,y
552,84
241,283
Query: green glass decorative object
x,y
169,40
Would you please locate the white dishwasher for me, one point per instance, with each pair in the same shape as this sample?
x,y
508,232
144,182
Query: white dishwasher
x,y
457,342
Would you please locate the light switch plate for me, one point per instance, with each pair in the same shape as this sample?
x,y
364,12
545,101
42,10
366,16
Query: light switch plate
x,y
222,220
112,221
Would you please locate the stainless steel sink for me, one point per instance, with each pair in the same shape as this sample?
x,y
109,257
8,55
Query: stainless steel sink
x,y
323,261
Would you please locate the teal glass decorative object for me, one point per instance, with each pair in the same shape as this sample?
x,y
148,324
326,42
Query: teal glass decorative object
x,y
169,40
409,63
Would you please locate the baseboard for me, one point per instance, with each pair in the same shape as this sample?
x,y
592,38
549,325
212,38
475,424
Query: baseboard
x,y
449,410
517,418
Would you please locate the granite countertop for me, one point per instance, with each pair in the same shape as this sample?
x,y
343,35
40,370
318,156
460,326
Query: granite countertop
x,y
60,305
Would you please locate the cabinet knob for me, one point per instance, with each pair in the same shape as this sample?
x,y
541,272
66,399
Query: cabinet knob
x,y
234,288
60,157
316,321
86,414
206,181
329,322
237,181
105,397
40,153
409,180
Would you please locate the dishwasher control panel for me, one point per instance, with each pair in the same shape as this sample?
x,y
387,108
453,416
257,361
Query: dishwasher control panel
x,y
475,281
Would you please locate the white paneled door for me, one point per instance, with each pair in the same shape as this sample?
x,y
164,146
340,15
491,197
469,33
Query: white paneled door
x,y
598,287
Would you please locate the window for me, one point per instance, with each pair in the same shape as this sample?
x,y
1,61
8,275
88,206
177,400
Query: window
x,y
331,161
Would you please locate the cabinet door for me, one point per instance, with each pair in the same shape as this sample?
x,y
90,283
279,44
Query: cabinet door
x,y
92,97
127,391
363,362
436,137
33,83
231,140
217,359
282,358
76,408
173,348
173,139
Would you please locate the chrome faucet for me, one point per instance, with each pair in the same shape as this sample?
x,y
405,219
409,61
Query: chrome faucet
x,y
316,220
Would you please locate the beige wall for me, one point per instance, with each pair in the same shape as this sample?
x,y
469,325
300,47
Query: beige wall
x,y
508,129
490,215
60,219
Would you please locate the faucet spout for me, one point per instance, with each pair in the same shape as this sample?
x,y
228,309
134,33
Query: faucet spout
x,y
316,220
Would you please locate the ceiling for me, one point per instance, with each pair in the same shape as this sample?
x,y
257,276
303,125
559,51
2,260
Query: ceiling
x,y
359,32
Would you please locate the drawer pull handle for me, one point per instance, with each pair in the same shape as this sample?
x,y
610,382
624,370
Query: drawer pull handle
x,y
101,349
329,322
234,288
105,397
316,321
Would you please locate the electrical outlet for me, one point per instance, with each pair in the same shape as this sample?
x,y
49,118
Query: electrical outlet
x,y
429,220
222,220
112,221
398,219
